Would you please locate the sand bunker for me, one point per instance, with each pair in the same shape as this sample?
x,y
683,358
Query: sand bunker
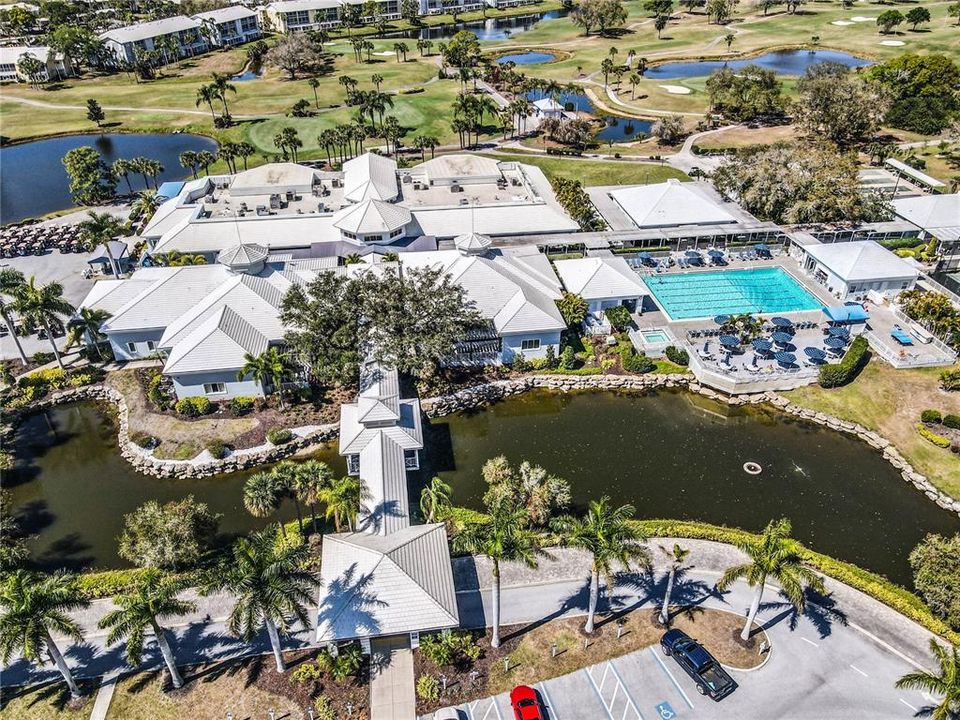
x,y
384,53
893,43
676,89
861,18
841,22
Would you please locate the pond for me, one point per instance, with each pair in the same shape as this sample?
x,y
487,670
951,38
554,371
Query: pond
x,y
672,455
34,181
784,62
486,30
615,129
527,58
247,75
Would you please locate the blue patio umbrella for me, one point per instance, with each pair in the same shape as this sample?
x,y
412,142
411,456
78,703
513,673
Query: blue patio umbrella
x,y
692,254
782,338
815,353
838,331
721,319
781,322
715,253
762,247
834,342
785,358
762,345
729,340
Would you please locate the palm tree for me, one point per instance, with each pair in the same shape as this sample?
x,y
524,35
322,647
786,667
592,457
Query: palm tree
x,y
310,479
188,160
206,94
314,83
262,495
11,281
342,500
87,324
677,555
152,598
945,682
270,366
221,85
504,537
206,158
607,534
434,498
145,205
100,229
775,556
121,168
43,305
272,587
245,150
34,606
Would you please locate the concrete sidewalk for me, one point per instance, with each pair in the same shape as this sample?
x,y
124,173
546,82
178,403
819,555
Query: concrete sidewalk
x,y
391,679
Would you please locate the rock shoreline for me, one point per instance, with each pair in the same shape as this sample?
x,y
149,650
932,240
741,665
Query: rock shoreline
x,y
469,399
475,397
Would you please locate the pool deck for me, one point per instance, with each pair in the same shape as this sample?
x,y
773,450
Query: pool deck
x,y
743,371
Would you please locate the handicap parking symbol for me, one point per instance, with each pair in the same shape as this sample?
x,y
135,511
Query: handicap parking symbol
x,y
665,711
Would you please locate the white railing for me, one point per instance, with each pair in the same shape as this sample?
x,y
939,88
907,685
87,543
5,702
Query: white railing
x,y
934,340
901,357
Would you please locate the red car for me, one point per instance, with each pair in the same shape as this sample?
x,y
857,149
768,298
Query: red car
x,y
526,703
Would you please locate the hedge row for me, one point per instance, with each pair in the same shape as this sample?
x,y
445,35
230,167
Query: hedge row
x,y
848,368
879,588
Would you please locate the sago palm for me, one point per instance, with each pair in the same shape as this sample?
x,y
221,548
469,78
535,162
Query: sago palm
x,y
944,682
434,499
33,606
504,537
607,534
43,305
267,576
152,598
676,555
775,557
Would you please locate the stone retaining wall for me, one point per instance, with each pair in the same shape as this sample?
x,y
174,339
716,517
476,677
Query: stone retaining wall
x,y
144,462
475,397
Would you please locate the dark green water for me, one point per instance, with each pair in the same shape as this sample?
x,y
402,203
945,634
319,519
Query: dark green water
x,y
670,454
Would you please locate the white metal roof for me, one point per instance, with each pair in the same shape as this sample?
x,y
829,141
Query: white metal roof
x,y
244,254
495,220
458,166
286,6
273,232
371,216
11,55
595,278
386,585
861,260
517,293
154,28
379,398
669,204
913,173
220,342
370,177
222,15
548,105
938,215
272,178
472,243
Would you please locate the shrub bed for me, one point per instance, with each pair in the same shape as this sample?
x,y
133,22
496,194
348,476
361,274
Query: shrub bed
x,y
193,406
928,434
677,356
279,436
931,416
846,370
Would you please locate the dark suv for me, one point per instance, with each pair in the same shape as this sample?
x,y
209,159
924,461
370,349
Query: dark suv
x,y
711,679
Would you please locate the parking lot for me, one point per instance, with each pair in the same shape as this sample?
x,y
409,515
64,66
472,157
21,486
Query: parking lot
x,y
821,668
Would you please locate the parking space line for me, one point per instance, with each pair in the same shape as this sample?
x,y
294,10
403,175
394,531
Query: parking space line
x,y
854,667
908,704
811,642
546,696
613,669
670,675
593,684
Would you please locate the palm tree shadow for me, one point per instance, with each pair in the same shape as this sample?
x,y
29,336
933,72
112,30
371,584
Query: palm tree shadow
x,y
579,600
686,595
820,610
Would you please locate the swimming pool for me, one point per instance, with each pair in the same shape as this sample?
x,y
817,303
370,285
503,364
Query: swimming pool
x,y
653,337
729,292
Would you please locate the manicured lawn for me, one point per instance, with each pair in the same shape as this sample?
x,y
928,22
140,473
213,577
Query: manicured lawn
x,y
47,702
596,172
889,401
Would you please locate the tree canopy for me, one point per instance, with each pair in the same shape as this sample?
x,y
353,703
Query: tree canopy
x,y
835,104
91,179
600,14
922,90
746,93
936,574
171,536
799,184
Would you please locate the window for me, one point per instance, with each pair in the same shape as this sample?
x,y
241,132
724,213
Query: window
x,y
530,344
349,235
131,347
411,460
297,18
151,345
396,233
214,388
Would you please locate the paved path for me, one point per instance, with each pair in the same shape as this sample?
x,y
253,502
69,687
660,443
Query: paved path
x,y
818,659
104,696
685,160
391,680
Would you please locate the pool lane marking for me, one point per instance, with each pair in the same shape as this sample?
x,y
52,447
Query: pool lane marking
x,y
670,675
854,667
